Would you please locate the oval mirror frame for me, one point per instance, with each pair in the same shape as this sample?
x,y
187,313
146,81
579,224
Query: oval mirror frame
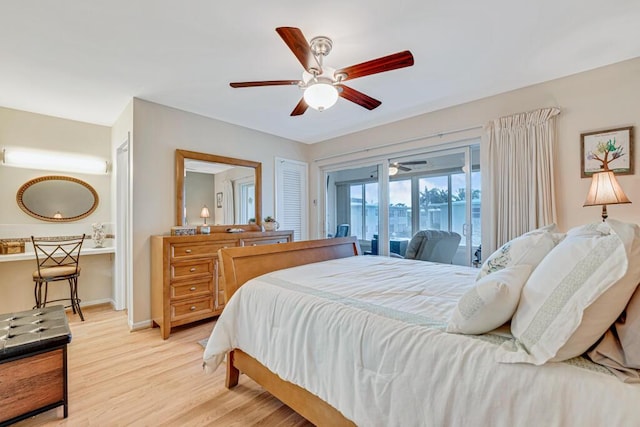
x,y
29,184
181,155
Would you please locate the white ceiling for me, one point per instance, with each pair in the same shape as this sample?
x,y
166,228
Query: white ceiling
x,y
85,60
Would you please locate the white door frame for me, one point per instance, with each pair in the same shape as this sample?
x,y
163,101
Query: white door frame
x,y
123,295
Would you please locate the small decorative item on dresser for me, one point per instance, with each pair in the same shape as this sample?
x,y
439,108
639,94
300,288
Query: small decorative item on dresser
x,y
183,230
11,247
270,224
98,234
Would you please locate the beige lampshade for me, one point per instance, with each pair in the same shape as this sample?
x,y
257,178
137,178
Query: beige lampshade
x,y
605,190
204,213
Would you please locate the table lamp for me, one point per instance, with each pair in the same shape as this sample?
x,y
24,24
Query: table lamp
x,y
604,191
204,213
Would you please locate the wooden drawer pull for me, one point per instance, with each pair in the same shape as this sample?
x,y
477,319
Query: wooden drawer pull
x,y
187,251
193,288
192,269
192,308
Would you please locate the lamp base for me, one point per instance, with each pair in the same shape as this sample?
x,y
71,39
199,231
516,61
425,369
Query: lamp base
x,y
605,215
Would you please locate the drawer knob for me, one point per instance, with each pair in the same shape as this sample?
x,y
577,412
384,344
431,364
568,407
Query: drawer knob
x,y
192,269
193,288
188,251
255,244
192,308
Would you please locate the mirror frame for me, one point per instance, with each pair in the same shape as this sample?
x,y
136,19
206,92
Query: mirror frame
x,y
35,181
181,155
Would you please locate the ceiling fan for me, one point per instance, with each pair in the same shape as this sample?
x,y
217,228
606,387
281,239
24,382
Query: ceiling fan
x,y
395,167
322,84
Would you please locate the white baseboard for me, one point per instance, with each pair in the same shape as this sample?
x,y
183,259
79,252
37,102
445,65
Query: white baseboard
x,y
145,324
98,302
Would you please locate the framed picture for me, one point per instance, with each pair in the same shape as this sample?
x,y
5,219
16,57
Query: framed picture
x,y
607,149
219,200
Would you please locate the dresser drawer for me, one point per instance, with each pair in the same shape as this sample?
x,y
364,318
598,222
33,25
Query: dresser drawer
x,y
192,269
192,308
192,288
263,241
190,250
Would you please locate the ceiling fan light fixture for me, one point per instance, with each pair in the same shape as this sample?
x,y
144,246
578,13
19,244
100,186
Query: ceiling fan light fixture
x,y
321,96
393,170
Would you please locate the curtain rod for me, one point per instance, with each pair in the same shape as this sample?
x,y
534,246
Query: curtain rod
x,y
406,141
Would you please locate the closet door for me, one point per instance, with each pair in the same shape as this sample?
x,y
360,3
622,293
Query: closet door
x,y
292,197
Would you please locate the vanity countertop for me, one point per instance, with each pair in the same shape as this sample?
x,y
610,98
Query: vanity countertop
x,y
86,250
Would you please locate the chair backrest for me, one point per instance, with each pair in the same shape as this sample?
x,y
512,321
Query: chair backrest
x,y
342,231
433,245
58,252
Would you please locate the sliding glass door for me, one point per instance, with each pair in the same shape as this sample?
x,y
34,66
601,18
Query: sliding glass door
x,y
430,191
353,198
436,191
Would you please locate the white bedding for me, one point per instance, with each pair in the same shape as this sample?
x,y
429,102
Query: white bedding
x,y
366,334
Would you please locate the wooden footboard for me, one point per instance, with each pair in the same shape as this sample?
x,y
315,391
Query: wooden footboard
x,y
310,406
242,264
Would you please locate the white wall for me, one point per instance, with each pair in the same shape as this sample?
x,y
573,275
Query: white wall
x,y
23,129
158,132
599,99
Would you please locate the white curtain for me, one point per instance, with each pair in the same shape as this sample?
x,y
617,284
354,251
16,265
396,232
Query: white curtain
x,y
228,202
519,172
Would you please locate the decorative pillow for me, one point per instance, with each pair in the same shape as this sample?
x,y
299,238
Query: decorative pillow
x,y
490,303
528,249
575,294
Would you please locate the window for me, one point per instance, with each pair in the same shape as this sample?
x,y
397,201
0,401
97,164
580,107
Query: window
x,y
364,210
247,195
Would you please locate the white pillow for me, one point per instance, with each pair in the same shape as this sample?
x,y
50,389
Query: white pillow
x,y
491,302
530,249
569,285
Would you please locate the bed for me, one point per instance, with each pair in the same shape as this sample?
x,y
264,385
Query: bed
x,y
345,339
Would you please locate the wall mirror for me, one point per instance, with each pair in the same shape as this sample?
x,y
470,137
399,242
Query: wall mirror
x,y
230,189
57,198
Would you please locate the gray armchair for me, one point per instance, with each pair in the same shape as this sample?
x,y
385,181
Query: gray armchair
x,y
433,245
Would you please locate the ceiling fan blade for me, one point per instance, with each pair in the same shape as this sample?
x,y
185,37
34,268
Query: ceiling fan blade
x,y
300,108
358,97
403,168
379,65
414,162
294,38
265,83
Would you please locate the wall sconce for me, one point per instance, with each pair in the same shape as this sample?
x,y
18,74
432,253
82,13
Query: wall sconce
x,y
54,161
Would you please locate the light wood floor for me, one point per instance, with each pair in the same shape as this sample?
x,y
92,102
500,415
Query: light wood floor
x,y
122,378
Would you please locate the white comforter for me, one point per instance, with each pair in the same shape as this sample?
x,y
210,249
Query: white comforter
x,y
366,334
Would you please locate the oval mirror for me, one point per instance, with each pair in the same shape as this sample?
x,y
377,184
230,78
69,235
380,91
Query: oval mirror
x,y
57,198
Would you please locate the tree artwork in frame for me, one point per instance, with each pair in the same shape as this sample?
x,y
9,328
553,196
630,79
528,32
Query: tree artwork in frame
x,y
607,149
219,200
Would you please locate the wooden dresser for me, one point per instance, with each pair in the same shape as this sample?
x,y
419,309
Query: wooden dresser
x,y
186,281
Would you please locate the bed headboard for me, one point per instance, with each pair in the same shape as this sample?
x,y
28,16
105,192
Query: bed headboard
x,y
241,264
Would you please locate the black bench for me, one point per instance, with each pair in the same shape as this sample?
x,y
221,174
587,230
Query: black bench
x,y
33,362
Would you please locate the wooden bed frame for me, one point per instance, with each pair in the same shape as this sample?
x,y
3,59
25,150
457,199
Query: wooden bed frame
x,y
242,264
